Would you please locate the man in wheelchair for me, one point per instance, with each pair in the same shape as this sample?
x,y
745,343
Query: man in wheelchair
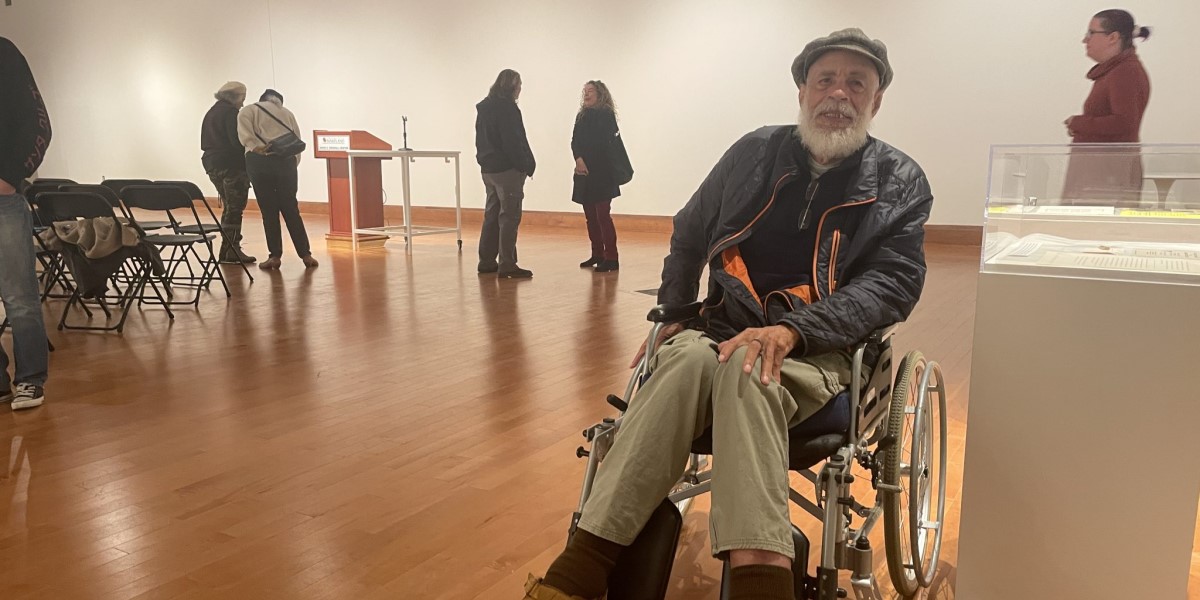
x,y
813,235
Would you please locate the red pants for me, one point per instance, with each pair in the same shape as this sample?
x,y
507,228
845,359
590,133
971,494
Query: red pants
x,y
601,231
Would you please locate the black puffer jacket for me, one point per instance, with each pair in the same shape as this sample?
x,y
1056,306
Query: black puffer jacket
x,y
869,265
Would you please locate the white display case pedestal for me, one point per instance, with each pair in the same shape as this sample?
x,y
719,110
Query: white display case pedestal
x,y
1082,465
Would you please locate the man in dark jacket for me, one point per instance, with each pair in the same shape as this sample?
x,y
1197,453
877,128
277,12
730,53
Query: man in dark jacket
x,y
224,160
24,137
813,236
503,153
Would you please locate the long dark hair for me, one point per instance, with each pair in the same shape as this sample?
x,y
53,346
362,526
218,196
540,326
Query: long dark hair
x,y
506,85
1120,21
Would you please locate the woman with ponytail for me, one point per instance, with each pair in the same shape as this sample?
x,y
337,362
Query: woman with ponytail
x,y
1112,114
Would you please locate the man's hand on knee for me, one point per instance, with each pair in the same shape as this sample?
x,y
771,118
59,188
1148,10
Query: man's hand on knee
x,y
772,344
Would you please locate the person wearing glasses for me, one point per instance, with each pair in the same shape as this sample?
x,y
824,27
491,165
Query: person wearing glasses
x,y
1111,114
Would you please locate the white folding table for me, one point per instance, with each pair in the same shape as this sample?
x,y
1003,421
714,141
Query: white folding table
x,y
407,230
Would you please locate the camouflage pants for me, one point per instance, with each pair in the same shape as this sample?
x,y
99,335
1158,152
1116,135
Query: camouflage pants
x,y
233,186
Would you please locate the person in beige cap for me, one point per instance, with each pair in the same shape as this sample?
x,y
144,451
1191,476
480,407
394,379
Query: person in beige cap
x,y
224,161
813,234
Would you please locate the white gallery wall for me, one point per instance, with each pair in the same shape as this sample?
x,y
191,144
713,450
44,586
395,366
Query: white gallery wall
x,y
127,82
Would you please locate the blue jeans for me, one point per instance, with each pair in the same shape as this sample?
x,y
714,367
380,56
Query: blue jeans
x,y
19,290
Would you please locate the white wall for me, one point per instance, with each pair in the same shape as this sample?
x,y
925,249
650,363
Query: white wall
x,y
128,82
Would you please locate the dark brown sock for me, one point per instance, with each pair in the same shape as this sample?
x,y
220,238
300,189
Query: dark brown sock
x,y
582,569
760,582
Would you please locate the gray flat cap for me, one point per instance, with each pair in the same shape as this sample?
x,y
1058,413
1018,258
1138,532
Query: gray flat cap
x,y
852,39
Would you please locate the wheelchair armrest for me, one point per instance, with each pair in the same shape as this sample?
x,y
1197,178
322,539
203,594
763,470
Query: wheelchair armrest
x,y
883,333
673,314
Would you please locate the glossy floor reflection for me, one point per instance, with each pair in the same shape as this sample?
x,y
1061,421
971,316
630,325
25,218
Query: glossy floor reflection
x,y
384,426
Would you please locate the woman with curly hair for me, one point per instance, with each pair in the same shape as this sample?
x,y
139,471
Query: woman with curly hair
x,y
595,182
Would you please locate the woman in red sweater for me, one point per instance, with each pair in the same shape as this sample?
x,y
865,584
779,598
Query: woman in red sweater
x,y
1112,114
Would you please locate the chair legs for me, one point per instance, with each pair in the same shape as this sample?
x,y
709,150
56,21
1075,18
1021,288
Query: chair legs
x,y
134,290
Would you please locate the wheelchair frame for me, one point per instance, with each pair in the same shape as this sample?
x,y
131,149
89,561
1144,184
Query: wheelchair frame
x,y
875,441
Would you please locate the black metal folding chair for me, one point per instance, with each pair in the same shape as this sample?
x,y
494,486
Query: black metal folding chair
x,y
54,207
164,199
52,272
193,192
116,185
53,181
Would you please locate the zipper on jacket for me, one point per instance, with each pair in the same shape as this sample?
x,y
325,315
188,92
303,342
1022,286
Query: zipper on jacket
x,y
809,195
837,243
719,246
817,246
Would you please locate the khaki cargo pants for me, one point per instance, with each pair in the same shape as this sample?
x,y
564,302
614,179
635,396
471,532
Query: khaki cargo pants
x,y
688,392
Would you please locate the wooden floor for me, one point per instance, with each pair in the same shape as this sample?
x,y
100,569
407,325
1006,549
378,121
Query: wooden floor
x,y
384,426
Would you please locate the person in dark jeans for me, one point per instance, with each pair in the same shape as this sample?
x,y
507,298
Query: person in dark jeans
x,y
595,185
24,137
505,159
274,176
224,161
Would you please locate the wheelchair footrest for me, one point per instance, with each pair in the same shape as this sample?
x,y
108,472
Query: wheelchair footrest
x,y
803,586
644,570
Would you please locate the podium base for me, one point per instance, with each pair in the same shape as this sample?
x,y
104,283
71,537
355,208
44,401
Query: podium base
x,y
344,240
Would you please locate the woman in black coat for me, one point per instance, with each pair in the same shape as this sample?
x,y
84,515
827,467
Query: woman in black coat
x,y
595,184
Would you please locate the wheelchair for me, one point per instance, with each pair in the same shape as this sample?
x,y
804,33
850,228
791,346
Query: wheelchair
x,y
893,435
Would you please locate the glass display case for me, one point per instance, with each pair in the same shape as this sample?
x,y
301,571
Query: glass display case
x,y
1127,212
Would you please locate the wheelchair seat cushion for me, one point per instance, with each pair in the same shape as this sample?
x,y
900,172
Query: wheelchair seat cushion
x,y
810,441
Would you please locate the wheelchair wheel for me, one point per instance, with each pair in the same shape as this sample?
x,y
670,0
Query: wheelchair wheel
x,y
914,474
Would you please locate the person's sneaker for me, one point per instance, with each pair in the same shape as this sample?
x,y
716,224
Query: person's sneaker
x,y
487,269
6,394
517,273
27,395
591,262
608,266
309,262
270,263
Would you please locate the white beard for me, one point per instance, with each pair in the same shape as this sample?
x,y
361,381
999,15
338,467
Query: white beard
x,y
832,144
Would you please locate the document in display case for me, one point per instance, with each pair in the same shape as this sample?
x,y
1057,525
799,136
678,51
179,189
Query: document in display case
x,y
1043,218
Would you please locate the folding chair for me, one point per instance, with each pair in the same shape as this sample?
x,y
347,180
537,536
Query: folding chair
x,y
193,192
116,185
55,207
52,271
165,198
53,181
127,275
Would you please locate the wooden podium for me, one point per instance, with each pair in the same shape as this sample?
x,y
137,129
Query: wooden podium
x,y
368,176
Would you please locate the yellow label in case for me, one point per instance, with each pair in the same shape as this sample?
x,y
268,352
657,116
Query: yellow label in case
x,y
997,210
1158,214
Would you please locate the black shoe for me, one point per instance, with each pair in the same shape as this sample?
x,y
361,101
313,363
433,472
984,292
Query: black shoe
x,y
607,266
235,257
591,262
517,273
487,269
